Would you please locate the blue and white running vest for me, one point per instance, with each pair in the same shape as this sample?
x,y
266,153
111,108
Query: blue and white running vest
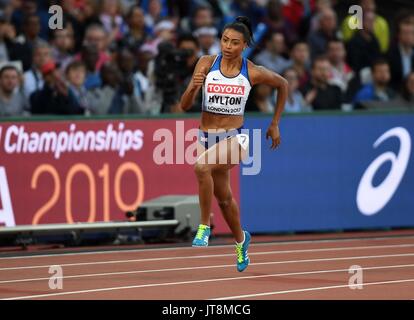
x,y
226,95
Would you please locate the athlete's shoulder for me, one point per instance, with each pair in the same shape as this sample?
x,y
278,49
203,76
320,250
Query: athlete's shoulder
x,y
206,60
255,72
254,67
260,74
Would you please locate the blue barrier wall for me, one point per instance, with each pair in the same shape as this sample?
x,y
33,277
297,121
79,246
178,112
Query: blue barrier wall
x,y
311,182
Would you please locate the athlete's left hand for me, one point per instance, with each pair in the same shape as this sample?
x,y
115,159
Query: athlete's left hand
x,y
274,134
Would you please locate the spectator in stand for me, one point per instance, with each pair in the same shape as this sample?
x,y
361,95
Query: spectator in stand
x,y
295,101
327,30
81,14
89,56
126,63
136,34
145,81
164,31
254,10
277,23
272,57
76,75
26,8
7,36
377,93
96,35
202,17
300,58
341,73
23,47
154,14
111,98
54,98
319,93
33,78
297,11
12,101
208,41
312,21
405,15
63,43
406,98
363,48
401,54
96,32
380,28
112,20
127,66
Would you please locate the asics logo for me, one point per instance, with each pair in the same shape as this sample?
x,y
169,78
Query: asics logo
x,y
371,199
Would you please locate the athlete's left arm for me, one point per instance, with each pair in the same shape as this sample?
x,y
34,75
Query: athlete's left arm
x,y
261,75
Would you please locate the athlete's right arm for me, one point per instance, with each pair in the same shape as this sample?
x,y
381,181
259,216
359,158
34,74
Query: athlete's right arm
x,y
199,75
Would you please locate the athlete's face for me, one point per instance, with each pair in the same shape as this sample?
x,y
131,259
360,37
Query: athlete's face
x,y
232,44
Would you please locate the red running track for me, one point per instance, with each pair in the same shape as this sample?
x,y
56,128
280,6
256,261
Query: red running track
x,y
310,268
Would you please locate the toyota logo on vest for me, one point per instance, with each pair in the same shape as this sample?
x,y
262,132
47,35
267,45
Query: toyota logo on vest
x,y
225,89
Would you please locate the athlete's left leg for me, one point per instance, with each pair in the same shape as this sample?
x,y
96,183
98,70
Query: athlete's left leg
x,y
230,210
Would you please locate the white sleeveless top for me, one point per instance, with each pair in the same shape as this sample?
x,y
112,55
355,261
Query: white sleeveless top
x,y
226,95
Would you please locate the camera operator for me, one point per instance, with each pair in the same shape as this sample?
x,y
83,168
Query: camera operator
x,y
191,45
173,70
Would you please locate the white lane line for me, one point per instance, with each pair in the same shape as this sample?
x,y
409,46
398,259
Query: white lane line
x,y
200,281
290,242
310,289
210,267
205,256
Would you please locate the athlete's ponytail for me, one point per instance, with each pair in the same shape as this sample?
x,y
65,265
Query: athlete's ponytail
x,y
242,24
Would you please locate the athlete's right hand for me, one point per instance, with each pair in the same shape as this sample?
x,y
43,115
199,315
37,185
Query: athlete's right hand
x,y
199,77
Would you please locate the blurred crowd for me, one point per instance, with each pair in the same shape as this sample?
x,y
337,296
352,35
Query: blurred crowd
x,y
137,57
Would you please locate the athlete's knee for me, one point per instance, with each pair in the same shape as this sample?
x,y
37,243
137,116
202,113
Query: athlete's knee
x,y
202,170
225,201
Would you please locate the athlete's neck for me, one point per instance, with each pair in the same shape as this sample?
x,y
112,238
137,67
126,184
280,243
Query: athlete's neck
x,y
229,65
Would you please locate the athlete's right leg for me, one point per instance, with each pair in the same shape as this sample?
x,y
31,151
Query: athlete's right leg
x,y
207,161
224,155
205,185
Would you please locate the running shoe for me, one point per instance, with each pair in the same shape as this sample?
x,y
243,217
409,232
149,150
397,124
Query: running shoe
x,y
201,238
241,251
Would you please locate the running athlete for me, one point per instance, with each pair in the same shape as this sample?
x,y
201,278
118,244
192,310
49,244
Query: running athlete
x,y
226,80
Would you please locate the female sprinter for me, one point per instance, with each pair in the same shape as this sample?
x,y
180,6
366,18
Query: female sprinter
x,y
226,80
